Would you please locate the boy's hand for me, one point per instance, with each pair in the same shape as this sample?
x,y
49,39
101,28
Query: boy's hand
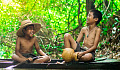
x,y
80,54
40,56
30,59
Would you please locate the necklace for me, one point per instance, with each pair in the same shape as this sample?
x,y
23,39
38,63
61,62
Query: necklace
x,y
90,31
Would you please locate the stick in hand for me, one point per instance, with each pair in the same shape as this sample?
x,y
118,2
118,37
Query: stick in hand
x,y
24,62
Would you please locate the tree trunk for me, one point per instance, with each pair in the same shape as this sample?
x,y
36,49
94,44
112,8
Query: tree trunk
x,y
89,5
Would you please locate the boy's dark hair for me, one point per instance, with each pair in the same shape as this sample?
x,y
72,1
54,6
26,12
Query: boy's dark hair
x,y
97,14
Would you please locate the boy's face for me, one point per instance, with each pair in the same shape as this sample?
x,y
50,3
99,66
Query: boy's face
x,y
90,18
29,31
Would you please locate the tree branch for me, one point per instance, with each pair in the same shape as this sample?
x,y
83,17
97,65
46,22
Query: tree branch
x,y
79,12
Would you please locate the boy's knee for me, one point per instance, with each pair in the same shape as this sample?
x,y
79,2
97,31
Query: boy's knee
x,y
13,56
67,35
42,60
47,58
90,57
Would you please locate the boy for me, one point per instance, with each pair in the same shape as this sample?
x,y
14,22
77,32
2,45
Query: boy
x,y
25,42
91,37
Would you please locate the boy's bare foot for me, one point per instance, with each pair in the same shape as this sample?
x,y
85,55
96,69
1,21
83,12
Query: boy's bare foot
x,y
30,59
60,62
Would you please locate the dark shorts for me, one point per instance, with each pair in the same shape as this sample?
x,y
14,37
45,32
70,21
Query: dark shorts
x,y
27,55
80,49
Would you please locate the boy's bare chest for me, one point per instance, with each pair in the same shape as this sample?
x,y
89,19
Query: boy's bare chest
x,y
89,34
27,44
89,38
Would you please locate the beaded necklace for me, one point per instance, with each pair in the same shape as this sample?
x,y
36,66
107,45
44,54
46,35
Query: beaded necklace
x,y
90,31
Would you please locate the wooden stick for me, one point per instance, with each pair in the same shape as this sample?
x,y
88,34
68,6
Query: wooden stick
x,y
24,62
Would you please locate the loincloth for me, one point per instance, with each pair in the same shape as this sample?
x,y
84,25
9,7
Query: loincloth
x,y
80,49
27,55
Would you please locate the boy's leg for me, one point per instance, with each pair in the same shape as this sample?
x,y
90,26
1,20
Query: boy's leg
x,y
17,58
42,59
86,57
69,42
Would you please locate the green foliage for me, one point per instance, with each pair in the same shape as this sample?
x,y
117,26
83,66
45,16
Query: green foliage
x,y
111,19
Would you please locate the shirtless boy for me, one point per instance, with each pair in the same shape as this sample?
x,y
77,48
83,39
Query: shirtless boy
x,y
25,42
91,37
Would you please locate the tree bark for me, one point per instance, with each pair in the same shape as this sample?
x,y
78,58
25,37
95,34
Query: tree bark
x,y
79,13
89,5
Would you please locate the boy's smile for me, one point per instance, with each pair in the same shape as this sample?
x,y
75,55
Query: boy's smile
x,y
29,31
90,18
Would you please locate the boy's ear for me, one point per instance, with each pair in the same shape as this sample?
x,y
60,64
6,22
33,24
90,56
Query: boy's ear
x,y
24,30
96,19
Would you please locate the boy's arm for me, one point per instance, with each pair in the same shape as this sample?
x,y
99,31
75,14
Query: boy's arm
x,y
45,57
17,48
95,42
80,34
39,51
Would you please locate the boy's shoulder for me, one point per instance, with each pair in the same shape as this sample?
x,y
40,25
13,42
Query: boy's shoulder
x,y
23,38
19,38
84,28
98,29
